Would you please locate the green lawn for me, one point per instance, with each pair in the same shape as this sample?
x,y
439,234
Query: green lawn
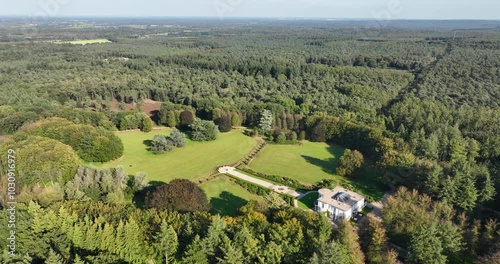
x,y
307,202
311,163
194,161
226,197
85,42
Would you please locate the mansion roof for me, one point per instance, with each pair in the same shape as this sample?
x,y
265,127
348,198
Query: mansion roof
x,y
339,198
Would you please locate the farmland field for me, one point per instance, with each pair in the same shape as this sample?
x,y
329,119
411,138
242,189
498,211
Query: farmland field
x,y
85,41
226,197
194,161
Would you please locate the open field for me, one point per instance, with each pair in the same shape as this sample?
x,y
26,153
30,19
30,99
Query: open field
x,y
311,163
307,202
226,197
85,41
192,162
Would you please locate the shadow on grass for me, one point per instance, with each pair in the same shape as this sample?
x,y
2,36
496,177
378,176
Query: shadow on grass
x,y
365,181
368,182
148,142
226,204
308,201
329,166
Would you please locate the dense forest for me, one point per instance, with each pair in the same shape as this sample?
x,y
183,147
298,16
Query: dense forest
x,y
422,103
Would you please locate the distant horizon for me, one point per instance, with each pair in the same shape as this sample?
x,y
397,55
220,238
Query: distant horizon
x,y
311,9
257,17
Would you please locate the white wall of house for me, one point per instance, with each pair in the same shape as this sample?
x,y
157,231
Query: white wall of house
x,y
333,211
358,207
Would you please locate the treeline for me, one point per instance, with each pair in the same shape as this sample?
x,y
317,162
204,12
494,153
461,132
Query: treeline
x,y
12,118
90,143
50,150
95,232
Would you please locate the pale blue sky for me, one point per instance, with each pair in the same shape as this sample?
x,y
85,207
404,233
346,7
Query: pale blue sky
x,y
403,9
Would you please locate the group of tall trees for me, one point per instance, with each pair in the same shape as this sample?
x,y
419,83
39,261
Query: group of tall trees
x,y
434,232
162,144
95,223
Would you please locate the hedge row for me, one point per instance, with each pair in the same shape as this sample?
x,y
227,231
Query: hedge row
x,y
253,188
261,191
279,179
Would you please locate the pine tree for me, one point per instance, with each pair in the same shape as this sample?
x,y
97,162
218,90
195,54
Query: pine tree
x,y
349,238
266,121
133,242
426,247
332,253
433,181
54,258
166,241
271,253
467,194
195,252
449,190
235,120
107,237
230,254
78,260
320,233
214,236
390,257
78,238
373,240
249,245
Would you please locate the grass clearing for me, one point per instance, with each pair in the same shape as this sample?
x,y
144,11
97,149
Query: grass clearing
x,y
313,162
307,202
310,162
194,161
227,197
85,41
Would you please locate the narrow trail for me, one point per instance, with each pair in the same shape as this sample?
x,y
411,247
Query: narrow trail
x,y
412,87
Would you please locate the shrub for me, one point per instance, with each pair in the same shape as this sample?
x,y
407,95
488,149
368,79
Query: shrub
x,y
187,118
146,124
302,135
281,138
236,120
161,144
253,188
204,130
224,123
178,138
